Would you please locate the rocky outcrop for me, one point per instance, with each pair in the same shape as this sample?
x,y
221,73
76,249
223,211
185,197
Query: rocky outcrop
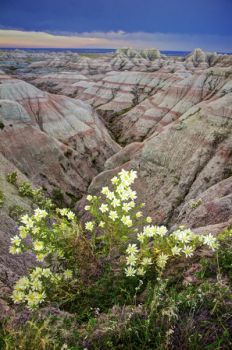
x,y
180,163
55,140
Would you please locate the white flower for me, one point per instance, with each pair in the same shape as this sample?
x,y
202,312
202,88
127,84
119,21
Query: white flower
x,y
89,225
46,272
89,197
63,212
70,215
37,272
182,236
148,219
16,240
15,250
132,195
188,250
68,274
141,271
38,245
36,285
127,177
149,231
18,297
23,232
40,257
40,214
34,299
102,224
115,202
110,195
27,221
114,180
131,204
126,220
113,215
139,214
146,261
87,207
126,207
162,260
176,250
130,271
104,208
132,249
22,284
141,237
210,240
105,190
161,231
131,260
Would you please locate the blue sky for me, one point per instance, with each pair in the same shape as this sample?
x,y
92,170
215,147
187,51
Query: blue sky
x,y
174,24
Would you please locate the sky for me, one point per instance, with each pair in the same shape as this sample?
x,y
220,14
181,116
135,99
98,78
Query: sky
x,y
164,24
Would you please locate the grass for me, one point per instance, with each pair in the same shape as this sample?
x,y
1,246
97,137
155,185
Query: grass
x,y
168,314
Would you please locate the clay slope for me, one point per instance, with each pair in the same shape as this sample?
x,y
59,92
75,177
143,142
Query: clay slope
x,y
55,140
174,96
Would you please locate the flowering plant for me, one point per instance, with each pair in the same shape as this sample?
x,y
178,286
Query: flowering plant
x,y
58,242
155,247
115,212
55,238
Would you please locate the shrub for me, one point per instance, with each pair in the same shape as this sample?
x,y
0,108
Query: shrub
x,y
25,189
196,203
15,212
12,177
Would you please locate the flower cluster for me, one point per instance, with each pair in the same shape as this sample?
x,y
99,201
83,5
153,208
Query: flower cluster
x,y
31,290
44,238
156,247
49,236
115,212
